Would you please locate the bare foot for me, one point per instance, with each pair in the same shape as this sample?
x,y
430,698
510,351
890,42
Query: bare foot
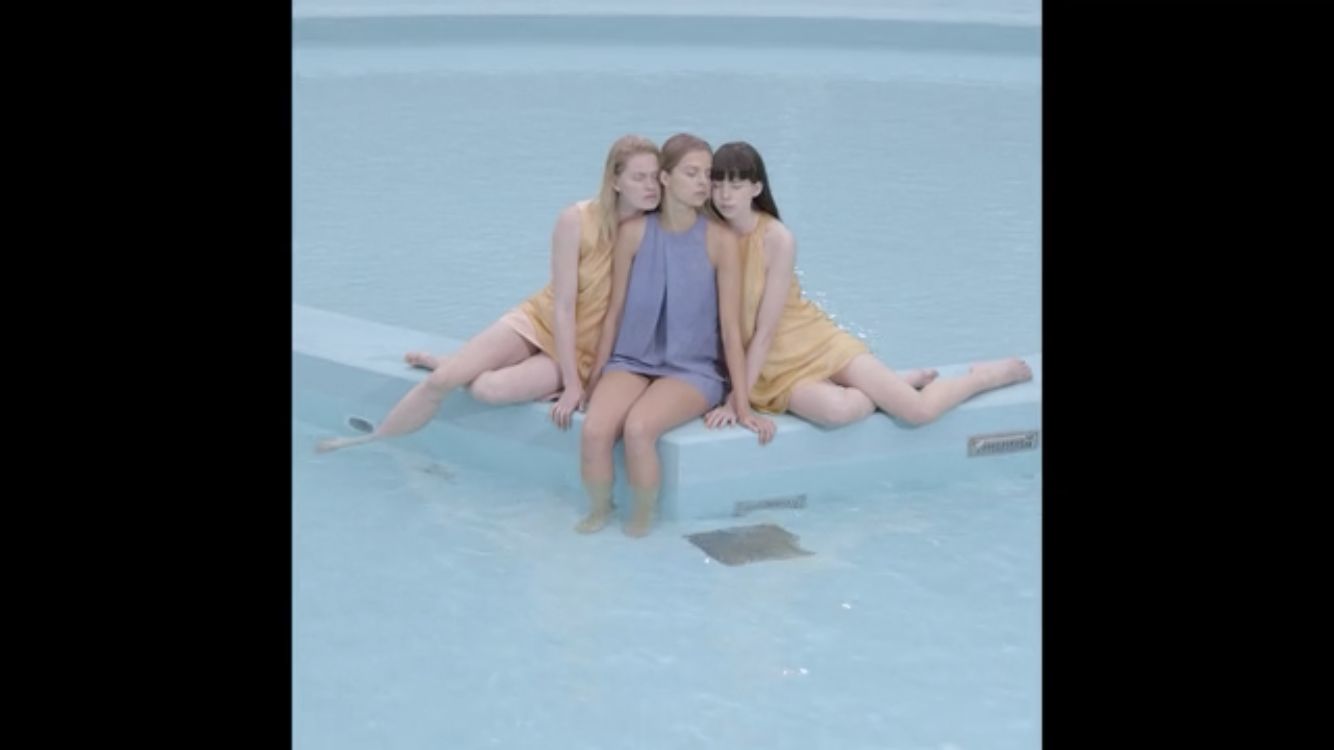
x,y
424,360
919,379
334,443
596,519
1002,372
641,518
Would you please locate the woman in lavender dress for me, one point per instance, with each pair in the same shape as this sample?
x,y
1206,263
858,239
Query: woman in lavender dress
x,y
674,316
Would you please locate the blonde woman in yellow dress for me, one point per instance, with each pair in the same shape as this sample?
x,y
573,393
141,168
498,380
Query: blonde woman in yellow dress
x,y
797,359
545,345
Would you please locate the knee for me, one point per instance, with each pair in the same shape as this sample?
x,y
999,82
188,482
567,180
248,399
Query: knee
x,y
597,434
857,409
915,415
489,388
640,432
845,411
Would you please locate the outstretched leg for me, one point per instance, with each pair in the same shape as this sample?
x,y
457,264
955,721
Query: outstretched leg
x,y
893,395
830,405
530,380
920,378
497,346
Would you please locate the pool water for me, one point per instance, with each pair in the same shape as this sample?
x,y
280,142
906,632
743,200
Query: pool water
x,y
427,177
437,606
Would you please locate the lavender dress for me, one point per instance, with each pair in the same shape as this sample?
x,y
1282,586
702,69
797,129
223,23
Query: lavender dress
x,y
669,327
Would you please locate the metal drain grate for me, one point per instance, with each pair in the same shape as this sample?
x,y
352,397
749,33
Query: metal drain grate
x,y
1002,442
739,545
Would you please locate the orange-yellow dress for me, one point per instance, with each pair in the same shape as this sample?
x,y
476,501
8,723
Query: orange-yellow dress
x,y
807,345
535,317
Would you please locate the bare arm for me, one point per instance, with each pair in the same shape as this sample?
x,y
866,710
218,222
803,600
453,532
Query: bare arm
x,y
623,255
727,262
780,250
565,285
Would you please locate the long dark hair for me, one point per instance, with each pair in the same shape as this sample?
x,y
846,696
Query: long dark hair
x,y
739,160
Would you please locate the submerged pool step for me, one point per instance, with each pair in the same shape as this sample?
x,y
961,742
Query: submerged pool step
x,y
355,368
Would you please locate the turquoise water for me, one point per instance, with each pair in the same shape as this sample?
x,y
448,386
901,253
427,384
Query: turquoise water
x,y
427,175
437,606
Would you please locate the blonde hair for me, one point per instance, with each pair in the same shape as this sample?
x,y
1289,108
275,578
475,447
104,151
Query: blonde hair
x,y
674,149
604,204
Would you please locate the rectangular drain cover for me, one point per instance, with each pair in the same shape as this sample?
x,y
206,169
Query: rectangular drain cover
x,y
1002,442
739,545
743,507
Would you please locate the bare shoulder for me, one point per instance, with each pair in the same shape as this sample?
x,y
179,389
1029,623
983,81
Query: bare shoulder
x,y
572,214
779,243
631,231
777,233
720,234
721,243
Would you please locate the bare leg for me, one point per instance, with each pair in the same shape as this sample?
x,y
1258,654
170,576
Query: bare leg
x,y
897,398
529,380
608,408
920,378
668,402
829,405
497,346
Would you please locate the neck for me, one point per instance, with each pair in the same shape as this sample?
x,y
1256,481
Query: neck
x,y
744,223
677,216
625,211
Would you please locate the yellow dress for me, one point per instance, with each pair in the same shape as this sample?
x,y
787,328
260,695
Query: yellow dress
x,y
807,345
591,301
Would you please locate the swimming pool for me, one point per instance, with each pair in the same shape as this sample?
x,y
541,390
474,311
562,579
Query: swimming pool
x,y
439,602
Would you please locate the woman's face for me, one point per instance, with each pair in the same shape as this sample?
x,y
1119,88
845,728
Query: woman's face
x,y
688,183
638,182
733,197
